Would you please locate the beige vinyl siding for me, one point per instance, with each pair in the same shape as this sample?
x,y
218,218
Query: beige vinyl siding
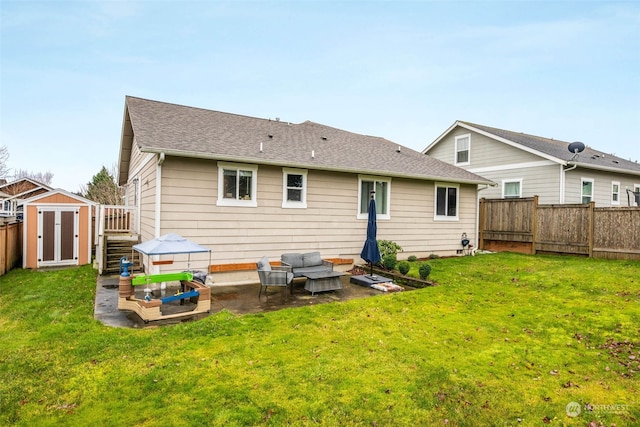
x,y
134,163
147,177
329,224
138,159
601,186
412,223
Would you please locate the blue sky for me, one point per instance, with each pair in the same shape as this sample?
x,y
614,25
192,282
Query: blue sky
x,y
402,70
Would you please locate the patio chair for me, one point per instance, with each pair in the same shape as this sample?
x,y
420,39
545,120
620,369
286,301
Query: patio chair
x,y
272,276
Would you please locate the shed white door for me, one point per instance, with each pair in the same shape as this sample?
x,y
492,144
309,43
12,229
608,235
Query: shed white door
x,y
57,236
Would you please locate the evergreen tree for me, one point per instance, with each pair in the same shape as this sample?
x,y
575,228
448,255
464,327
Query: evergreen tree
x,y
103,189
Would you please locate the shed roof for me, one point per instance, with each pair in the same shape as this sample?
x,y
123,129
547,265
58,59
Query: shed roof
x,y
178,130
79,199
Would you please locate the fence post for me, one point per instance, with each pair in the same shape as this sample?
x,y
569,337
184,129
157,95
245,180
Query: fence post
x,y
4,256
592,206
534,225
481,215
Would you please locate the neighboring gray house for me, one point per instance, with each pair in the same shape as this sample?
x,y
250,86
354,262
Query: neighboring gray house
x,y
526,165
246,187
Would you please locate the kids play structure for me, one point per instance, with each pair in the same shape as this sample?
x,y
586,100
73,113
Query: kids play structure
x,y
192,289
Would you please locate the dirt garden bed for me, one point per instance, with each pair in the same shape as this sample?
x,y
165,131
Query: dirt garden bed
x,y
396,276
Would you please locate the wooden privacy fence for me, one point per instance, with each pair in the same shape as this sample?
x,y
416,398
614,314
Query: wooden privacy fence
x,y
10,246
522,225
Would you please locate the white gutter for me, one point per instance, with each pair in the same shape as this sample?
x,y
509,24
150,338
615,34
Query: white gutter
x,y
605,168
280,163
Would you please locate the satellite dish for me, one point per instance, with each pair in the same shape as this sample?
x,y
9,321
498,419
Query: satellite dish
x,y
576,147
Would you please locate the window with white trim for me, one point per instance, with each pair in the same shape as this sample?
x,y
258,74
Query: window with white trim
x,y
294,188
615,192
382,187
512,189
636,189
447,198
587,190
237,184
463,149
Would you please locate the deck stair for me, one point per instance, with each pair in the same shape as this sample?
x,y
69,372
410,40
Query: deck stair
x,y
118,247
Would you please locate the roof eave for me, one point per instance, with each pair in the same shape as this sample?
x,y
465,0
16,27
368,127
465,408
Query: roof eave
x,y
442,135
239,159
605,168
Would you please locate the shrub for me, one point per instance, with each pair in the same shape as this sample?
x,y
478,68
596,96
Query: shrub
x,y
404,267
424,270
389,261
412,258
387,247
434,256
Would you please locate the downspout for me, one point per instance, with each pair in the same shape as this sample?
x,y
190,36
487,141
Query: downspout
x,y
158,193
158,199
563,181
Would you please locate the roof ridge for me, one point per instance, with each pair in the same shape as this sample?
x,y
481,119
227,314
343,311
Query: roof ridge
x,y
277,120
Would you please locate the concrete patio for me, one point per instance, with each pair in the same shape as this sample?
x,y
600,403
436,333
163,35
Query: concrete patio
x,y
239,300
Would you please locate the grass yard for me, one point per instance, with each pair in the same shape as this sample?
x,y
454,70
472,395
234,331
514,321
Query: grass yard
x,y
504,339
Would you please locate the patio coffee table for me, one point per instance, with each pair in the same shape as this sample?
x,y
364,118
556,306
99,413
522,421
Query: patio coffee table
x,y
323,281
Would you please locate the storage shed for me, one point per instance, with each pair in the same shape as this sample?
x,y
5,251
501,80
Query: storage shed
x,y
57,230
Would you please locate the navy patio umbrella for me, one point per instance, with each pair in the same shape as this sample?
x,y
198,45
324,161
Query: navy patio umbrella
x,y
370,251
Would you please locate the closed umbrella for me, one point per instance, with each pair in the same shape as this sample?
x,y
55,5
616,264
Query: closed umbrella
x,y
370,251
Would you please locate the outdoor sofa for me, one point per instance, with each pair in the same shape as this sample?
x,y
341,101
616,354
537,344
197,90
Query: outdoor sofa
x,y
303,263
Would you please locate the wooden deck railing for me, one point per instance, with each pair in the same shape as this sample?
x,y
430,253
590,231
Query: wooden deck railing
x,y
117,219
8,207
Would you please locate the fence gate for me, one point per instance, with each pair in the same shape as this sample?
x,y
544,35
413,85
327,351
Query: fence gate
x,y
57,236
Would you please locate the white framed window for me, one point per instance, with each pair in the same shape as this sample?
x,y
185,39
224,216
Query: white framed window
x,y
446,201
587,190
237,184
636,189
615,192
463,150
511,188
294,188
382,187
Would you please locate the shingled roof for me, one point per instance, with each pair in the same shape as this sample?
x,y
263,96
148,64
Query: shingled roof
x,y
553,149
183,131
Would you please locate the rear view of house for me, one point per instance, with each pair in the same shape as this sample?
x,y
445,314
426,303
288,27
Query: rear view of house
x,y
527,165
246,187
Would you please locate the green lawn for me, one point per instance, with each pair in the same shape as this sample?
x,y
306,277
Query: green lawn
x,y
504,339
